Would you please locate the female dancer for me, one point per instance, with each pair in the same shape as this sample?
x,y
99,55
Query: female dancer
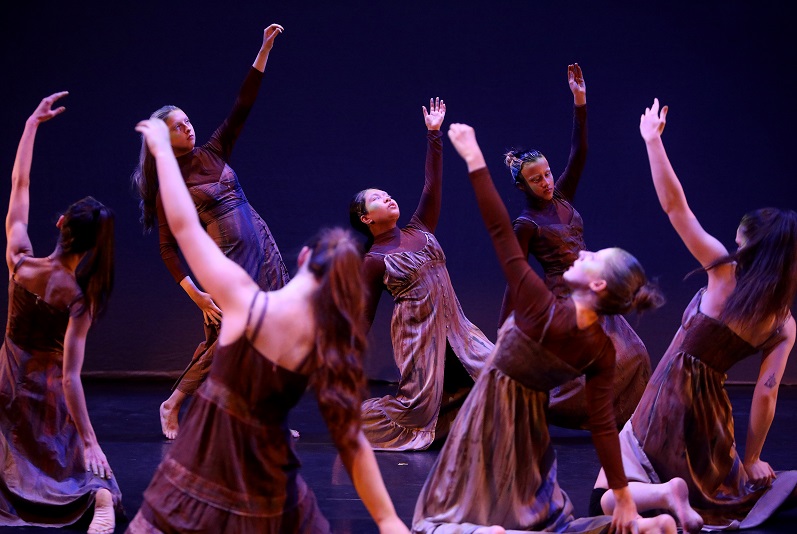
x,y
428,323
54,471
225,213
246,478
497,466
550,229
742,311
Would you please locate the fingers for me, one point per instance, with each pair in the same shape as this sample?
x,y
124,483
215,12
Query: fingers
x,y
425,113
663,115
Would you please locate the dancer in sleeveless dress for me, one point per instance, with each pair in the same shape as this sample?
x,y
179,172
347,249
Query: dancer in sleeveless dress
x,y
233,467
225,213
550,229
497,469
683,427
432,339
54,471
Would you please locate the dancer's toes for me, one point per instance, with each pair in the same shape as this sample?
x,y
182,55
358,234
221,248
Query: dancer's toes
x,y
104,520
679,494
661,524
169,424
294,434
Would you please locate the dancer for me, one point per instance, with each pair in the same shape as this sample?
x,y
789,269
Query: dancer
x,y
225,213
432,339
497,469
550,229
272,344
54,471
743,310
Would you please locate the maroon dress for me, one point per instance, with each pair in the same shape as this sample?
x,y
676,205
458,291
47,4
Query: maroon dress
x,y
553,232
226,215
44,478
233,468
498,466
432,337
683,426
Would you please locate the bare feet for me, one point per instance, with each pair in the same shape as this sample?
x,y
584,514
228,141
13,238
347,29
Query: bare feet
x,y
679,496
104,520
169,424
661,524
495,529
294,434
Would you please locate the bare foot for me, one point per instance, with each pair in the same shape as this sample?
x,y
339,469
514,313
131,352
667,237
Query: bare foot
x,y
495,529
661,524
104,520
294,433
679,503
169,424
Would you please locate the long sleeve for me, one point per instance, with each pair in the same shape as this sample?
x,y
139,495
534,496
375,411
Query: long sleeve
x,y
568,181
525,231
168,245
528,292
224,138
373,271
428,211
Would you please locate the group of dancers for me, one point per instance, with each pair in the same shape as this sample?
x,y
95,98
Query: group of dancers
x,y
564,354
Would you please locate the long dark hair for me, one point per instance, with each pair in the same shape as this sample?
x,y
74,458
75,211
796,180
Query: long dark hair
x,y
766,268
145,178
339,306
88,228
356,211
627,286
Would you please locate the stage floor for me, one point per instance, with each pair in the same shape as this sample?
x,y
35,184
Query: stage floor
x,y
125,418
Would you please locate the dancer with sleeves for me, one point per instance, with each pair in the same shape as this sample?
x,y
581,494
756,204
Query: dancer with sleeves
x,y
432,339
497,469
54,471
550,229
743,310
272,345
225,214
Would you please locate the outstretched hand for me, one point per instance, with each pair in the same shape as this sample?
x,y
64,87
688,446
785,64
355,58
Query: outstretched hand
x,y
652,122
463,137
577,86
96,462
435,115
156,134
45,111
270,34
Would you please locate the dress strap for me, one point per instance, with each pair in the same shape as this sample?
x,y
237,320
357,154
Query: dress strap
x,y
259,319
16,266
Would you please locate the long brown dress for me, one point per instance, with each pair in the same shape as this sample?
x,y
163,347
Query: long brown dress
x,y
229,219
44,478
553,232
233,468
428,323
683,426
498,466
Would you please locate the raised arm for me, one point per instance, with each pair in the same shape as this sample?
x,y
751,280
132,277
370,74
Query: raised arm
x,y
224,138
74,352
229,284
704,247
428,211
762,409
361,465
17,240
567,183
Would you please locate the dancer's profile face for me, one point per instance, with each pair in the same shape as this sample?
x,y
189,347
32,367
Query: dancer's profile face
x,y
589,267
741,239
538,178
181,132
379,207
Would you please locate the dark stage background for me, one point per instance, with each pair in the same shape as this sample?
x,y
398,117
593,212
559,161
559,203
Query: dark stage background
x,y
340,110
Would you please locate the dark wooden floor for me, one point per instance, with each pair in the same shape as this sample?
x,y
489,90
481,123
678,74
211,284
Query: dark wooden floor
x,y
125,418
